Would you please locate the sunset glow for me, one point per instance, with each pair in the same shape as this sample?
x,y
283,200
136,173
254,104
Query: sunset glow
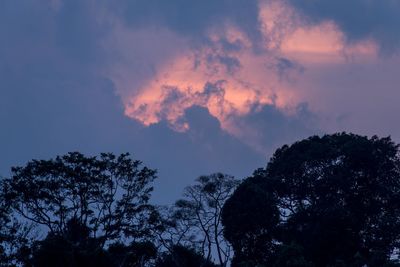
x,y
231,82
177,82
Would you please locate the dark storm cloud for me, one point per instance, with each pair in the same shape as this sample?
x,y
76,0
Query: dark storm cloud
x,y
232,64
192,18
203,149
270,128
358,19
286,68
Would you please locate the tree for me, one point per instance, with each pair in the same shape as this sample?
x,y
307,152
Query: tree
x,y
136,254
196,218
338,200
75,248
7,230
180,256
108,195
13,235
250,217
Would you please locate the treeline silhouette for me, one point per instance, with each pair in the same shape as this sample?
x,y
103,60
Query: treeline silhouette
x,y
325,201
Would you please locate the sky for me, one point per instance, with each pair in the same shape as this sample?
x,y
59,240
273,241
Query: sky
x,y
193,87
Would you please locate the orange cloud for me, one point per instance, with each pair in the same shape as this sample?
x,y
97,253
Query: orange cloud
x,y
229,76
242,78
324,44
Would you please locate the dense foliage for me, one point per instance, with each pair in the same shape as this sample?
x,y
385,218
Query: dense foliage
x,y
325,201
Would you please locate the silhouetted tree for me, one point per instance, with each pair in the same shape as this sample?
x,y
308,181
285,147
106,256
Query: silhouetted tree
x,y
136,254
13,234
77,249
195,220
290,255
250,217
6,230
336,198
106,196
74,248
180,256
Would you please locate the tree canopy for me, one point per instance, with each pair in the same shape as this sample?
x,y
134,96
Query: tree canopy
x,y
334,200
107,194
83,204
180,256
195,219
329,201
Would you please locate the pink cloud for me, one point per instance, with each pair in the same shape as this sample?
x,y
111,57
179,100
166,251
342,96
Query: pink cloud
x,y
160,74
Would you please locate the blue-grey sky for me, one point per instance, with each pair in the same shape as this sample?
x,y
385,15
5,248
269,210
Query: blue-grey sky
x,y
193,87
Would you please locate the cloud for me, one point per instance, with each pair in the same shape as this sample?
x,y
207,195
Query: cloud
x,y
266,128
240,78
358,19
159,83
202,149
359,96
43,123
190,89
56,96
286,68
191,19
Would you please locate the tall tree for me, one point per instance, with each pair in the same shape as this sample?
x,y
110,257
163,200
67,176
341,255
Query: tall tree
x,y
107,194
250,218
338,200
196,218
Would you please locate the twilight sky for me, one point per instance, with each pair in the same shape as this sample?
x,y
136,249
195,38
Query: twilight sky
x,y
193,87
